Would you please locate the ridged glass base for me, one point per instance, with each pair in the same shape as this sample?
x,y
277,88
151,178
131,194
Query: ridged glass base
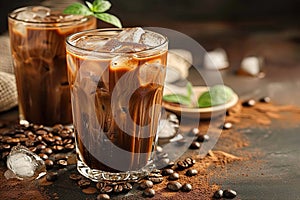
x,y
103,176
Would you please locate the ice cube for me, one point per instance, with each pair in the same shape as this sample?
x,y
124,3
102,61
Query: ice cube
x,y
123,62
40,12
128,40
25,164
133,35
151,39
26,15
151,73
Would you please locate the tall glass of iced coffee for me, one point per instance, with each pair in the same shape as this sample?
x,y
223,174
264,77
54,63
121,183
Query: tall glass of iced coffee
x,y
116,78
38,37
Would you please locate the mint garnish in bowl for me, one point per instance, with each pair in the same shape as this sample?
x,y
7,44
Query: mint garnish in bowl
x,y
96,9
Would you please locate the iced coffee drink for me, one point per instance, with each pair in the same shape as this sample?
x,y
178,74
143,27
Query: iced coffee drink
x,y
38,37
116,78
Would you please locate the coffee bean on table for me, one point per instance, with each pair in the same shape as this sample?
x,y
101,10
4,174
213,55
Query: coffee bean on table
x,y
170,164
49,164
203,138
106,189
118,188
190,161
181,165
186,187
127,187
57,148
229,194
174,176
43,156
41,147
265,100
191,172
174,186
218,194
103,197
156,180
47,151
76,177
146,184
84,183
194,132
62,163
69,146
149,192
195,145
99,185
226,126
52,176
167,172
249,103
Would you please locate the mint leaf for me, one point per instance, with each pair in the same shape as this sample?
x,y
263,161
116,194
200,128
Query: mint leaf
x,y
189,88
100,6
78,9
217,95
89,5
111,19
177,98
96,9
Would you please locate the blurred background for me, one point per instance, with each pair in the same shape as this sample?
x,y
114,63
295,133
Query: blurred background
x,y
170,13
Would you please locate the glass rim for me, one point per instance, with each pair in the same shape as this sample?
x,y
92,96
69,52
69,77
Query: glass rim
x,y
13,16
85,50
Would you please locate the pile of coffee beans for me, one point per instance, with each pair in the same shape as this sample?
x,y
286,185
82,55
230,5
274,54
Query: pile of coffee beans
x,y
52,144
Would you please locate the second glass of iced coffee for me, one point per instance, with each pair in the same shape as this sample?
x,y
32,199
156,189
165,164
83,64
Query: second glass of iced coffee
x,y
116,78
37,36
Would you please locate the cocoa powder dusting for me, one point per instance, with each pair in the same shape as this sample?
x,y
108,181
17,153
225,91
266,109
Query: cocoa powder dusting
x,y
229,150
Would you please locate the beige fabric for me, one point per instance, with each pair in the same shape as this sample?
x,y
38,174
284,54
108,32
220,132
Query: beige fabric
x,y
8,89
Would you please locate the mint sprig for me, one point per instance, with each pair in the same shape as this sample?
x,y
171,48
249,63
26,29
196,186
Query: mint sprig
x,y
96,9
180,98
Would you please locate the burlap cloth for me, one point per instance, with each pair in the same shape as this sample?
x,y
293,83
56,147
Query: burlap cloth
x,y
8,89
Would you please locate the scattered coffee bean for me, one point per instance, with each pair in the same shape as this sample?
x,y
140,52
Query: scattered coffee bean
x,y
155,171
149,192
190,161
174,176
89,190
226,126
57,138
229,194
156,180
181,165
100,185
167,172
103,197
62,163
191,172
32,149
52,176
5,146
170,164
69,146
106,189
59,142
57,148
67,141
203,138
249,103
154,175
84,183
41,147
118,188
146,184
76,177
194,132
47,150
56,128
218,194
265,100
174,186
43,156
49,164
127,187
13,141
195,145
186,187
